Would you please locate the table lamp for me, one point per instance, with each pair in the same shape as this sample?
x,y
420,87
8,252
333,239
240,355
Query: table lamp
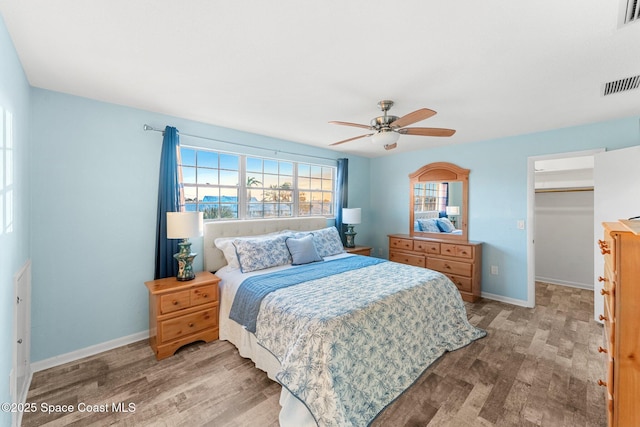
x,y
182,225
350,217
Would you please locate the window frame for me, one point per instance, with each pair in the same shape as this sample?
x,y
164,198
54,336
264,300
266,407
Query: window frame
x,y
243,202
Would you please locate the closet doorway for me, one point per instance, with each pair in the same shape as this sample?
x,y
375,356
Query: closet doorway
x,y
560,220
563,207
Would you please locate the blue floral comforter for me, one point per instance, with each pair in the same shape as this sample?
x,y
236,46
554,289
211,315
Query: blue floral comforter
x,y
350,344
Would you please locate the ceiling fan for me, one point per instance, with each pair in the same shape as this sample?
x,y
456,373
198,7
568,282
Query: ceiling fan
x,y
389,128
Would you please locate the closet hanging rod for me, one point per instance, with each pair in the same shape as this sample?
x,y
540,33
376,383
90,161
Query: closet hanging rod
x,y
146,127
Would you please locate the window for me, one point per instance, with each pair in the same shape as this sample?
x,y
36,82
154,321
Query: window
x,y
225,185
431,196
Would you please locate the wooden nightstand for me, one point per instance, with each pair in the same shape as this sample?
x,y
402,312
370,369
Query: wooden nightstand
x,y
359,250
182,312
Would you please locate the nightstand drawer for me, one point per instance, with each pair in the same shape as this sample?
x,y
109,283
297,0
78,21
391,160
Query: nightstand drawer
x,y
188,324
204,295
174,302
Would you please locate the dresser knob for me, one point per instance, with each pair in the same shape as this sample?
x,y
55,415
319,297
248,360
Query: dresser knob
x,y
603,292
205,296
191,325
447,266
602,350
601,317
602,383
175,302
601,279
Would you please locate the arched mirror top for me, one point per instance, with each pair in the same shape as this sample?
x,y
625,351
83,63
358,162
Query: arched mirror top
x,y
439,196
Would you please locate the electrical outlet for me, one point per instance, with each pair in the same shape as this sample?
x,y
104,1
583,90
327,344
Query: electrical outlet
x,y
494,270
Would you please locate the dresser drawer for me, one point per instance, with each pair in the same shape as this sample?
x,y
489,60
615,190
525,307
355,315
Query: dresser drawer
x,y
462,283
461,251
397,243
187,324
449,267
426,247
174,301
204,295
404,258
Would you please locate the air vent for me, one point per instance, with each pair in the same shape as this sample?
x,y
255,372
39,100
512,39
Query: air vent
x,y
621,85
633,11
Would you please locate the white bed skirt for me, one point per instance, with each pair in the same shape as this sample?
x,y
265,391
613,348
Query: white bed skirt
x,y
293,413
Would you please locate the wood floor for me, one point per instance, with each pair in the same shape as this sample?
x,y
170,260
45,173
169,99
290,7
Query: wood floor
x,y
536,367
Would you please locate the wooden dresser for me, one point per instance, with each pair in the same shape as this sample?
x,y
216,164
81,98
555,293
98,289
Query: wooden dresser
x,y
621,317
182,312
461,262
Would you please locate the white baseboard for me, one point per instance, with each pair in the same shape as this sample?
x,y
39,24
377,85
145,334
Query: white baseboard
x,y
520,302
587,286
87,351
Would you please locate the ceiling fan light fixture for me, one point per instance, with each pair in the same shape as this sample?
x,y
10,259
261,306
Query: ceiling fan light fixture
x,y
385,137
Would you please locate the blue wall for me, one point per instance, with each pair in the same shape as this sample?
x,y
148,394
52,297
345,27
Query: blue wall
x,y
94,186
14,242
497,191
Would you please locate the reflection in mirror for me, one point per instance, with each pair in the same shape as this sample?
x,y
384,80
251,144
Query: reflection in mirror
x,y
439,202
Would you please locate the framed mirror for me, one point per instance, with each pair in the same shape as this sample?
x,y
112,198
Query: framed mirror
x,y
439,198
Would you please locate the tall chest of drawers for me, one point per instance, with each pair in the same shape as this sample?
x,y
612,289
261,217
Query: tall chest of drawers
x,y
461,262
621,289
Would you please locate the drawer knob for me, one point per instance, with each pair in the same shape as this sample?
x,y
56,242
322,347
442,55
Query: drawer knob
x,y
602,350
602,383
191,324
175,302
601,279
205,296
601,317
447,266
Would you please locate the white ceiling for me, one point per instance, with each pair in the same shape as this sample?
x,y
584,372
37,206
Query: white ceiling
x,y
285,68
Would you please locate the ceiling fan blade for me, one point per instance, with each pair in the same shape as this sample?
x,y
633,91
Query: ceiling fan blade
x,y
350,139
427,131
411,118
391,146
351,124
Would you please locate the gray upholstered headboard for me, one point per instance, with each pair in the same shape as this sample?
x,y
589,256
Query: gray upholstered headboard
x,y
213,257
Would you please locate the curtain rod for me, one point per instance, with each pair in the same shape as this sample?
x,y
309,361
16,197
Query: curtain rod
x,y
146,127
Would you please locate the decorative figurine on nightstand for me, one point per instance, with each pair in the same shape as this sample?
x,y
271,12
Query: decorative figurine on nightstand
x,y
182,225
350,217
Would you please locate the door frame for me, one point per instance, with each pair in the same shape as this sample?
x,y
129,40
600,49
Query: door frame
x,y
531,217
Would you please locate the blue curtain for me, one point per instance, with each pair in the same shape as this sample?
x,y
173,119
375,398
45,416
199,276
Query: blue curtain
x,y
341,194
169,200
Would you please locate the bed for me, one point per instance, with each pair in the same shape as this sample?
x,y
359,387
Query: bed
x,y
434,222
344,335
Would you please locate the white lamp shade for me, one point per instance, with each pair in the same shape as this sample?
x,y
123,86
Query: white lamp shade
x,y
182,225
351,216
453,210
385,137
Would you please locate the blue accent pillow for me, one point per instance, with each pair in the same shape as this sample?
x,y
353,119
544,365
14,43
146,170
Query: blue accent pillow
x,y
429,225
302,250
446,225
